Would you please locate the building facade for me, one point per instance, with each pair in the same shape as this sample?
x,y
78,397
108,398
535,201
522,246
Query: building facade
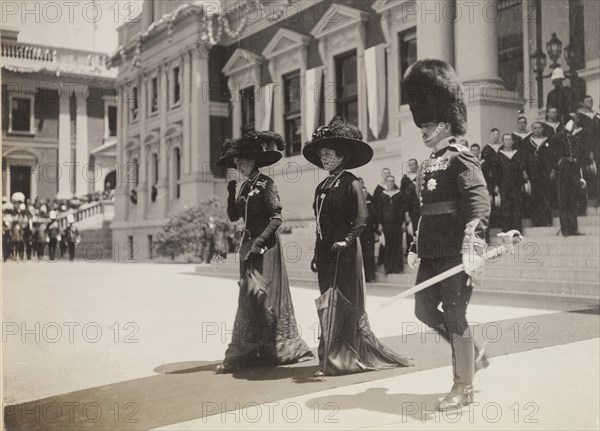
x,y
59,121
192,73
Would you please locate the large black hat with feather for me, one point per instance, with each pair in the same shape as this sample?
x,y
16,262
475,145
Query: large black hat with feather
x,y
261,146
343,137
435,94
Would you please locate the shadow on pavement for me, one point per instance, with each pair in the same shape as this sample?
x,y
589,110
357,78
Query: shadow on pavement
x,y
185,391
419,407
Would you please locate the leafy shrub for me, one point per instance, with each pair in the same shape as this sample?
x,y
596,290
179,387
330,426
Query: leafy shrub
x,y
184,233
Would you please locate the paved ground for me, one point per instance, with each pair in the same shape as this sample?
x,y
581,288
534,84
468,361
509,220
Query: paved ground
x,y
132,346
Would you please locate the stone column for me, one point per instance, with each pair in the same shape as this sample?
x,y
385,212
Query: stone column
x,y
64,146
477,41
185,96
200,136
435,38
82,152
163,185
121,192
142,189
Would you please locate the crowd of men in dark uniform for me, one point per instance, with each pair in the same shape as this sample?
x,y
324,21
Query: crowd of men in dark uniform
x,y
37,231
529,173
553,166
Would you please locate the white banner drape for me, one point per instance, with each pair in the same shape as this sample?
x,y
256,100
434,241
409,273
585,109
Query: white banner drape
x,y
376,97
312,98
267,95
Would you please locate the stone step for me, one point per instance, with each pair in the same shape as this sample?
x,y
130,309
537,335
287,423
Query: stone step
x,y
555,287
522,273
536,260
593,231
541,288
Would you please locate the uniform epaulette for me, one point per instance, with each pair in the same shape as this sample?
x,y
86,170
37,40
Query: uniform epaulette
x,y
459,147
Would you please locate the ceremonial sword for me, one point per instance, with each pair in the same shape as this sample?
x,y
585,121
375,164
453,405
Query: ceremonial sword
x,y
510,239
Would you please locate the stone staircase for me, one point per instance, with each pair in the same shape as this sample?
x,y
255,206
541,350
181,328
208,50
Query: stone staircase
x,y
544,264
96,236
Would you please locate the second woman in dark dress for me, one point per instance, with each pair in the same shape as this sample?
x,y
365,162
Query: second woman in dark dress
x,y
341,215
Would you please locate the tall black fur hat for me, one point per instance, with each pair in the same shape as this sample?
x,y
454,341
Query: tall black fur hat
x,y
262,146
343,137
435,94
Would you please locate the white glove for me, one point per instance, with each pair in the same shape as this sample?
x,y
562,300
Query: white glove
x,y
582,182
413,260
473,265
472,252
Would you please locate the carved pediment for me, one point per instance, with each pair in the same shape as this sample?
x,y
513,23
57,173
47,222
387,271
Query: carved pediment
x,y
152,138
338,17
133,143
382,5
174,130
284,40
240,60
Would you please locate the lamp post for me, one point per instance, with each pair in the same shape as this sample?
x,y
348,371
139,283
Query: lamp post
x,y
578,85
537,61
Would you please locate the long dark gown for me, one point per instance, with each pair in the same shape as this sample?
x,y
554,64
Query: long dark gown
x,y
341,215
263,333
391,213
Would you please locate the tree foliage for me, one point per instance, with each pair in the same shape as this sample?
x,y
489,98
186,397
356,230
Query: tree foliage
x,y
184,232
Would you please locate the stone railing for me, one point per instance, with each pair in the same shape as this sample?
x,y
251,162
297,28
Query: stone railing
x,y
88,210
34,56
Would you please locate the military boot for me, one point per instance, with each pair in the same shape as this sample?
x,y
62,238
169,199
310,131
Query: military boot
x,y
463,365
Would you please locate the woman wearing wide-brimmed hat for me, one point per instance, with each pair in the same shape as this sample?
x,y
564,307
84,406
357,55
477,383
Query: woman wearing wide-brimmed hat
x,y
341,215
265,330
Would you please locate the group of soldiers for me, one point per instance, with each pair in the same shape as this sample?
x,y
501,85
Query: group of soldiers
x,y
36,231
553,166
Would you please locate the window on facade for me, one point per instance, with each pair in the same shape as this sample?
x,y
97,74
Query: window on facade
x,y
154,168
248,118
177,173
510,44
347,87
21,114
134,103
292,115
408,55
154,95
136,170
112,121
176,86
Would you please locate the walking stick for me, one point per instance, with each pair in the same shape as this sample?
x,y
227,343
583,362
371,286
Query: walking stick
x,y
330,305
510,238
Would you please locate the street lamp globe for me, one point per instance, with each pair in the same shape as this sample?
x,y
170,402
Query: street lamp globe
x,y
537,61
554,48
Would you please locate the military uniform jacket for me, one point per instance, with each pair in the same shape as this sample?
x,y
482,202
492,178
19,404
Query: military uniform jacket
x,y
539,160
519,139
567,147
591,131
490,167
257,203
452,192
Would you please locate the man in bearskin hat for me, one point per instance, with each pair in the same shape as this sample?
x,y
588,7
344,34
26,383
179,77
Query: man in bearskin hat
x,y
454,209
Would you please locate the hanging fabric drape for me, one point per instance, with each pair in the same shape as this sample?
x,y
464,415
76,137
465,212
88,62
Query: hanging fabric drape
x,y
267,101
376,97
312,97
